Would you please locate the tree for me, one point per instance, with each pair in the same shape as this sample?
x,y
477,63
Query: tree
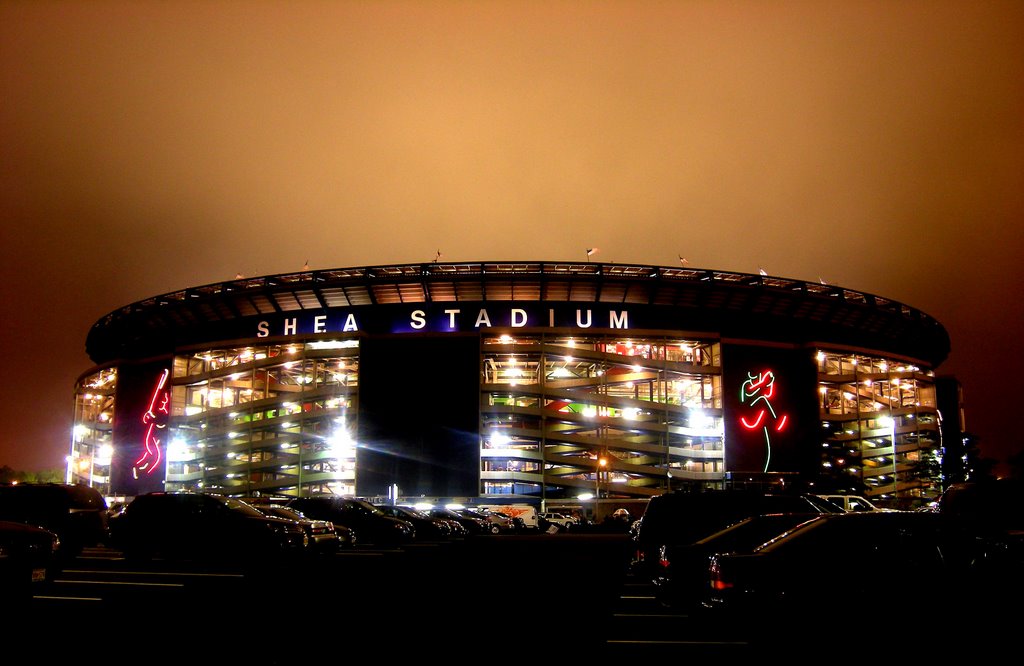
x,y
8,475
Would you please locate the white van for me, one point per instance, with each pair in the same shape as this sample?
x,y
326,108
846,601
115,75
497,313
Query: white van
x,y
527,513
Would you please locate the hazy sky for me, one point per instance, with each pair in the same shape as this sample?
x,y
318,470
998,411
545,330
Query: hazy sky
x,y
148,146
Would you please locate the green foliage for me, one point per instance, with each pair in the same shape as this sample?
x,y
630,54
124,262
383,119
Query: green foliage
x,y
8,475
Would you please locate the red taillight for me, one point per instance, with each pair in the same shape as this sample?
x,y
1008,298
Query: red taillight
x,y
715,575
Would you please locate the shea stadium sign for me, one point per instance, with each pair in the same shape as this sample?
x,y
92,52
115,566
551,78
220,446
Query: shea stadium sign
x,y
443,319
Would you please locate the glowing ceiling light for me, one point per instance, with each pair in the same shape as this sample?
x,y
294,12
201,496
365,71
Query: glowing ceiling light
x,y
500,440
505,339
106,453
177,450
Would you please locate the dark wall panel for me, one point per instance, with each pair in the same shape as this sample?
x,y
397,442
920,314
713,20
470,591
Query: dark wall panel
x,y
771,416
419,416
140,428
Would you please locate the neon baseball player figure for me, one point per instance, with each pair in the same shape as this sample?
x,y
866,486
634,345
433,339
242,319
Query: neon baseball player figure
x,y
757,392
155,419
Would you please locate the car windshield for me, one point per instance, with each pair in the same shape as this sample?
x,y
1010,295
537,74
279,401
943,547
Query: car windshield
x,y
409,511
365,507
824,504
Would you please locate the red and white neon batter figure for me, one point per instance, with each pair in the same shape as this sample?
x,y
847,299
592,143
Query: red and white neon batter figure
x,y
155,419
758,390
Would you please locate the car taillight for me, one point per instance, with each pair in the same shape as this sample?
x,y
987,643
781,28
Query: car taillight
x,y
715,575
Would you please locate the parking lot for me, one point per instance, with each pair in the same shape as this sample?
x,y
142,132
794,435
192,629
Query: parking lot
x,y
490,592
499,597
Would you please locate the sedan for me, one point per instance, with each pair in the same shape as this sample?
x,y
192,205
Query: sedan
x,y
472,525
367,522
898,564
321,534
427,527
682,571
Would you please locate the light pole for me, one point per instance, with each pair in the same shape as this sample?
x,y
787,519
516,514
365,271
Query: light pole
x,y
890,422
601,463
892,436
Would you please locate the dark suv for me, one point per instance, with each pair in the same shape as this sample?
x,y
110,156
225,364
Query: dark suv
x,y
77,514
202,525
681,518
28,557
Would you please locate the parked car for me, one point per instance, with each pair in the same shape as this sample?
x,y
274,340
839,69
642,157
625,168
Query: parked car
x,y
28,558
991,513
459,531
496,522
852,502
427,527
563,522
77,514
203,526
904,566
369,523
681,518
682,576
472,524
321,535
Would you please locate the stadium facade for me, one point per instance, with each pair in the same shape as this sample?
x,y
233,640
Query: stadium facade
x,y
511,381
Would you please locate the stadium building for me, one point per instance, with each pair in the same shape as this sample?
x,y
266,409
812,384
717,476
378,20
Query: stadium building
x,y
510,381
